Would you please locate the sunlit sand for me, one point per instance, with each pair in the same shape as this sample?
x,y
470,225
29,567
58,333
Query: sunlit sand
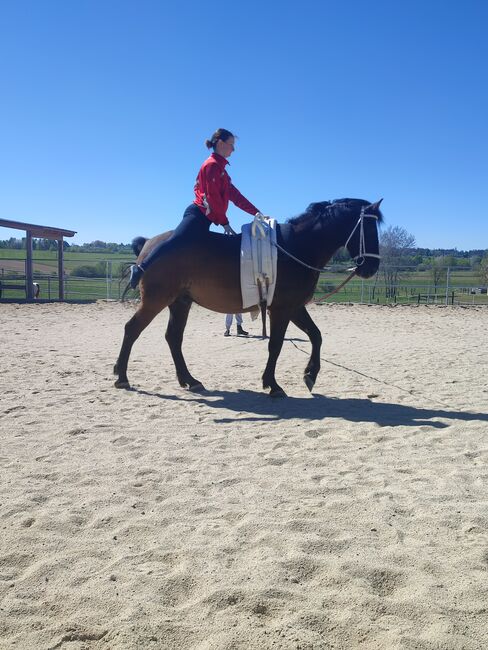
x,y
158,518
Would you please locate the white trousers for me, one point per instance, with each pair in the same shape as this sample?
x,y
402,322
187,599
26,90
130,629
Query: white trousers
x,y
228,320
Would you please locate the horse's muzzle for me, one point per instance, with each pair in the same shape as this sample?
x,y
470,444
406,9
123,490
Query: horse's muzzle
x,y
368,267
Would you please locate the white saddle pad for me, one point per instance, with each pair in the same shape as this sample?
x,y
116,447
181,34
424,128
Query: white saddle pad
x,y
258,261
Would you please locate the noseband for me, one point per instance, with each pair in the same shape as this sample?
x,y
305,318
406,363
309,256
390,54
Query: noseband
x,y
359,259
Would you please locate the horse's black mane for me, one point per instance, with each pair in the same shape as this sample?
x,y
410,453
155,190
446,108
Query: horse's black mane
x,y
324,211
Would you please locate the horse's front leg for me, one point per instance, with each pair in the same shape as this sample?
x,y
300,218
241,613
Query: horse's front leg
x,y
302,319
179,311
278,324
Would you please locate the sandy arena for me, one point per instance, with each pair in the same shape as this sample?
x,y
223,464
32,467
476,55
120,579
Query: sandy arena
x,y
356,518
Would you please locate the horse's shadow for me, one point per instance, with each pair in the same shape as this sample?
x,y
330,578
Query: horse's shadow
x,y
262,408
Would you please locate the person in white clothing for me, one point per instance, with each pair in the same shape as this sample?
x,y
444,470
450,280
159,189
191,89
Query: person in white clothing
x,y
228,323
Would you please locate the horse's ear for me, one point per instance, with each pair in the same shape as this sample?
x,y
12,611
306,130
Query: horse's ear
x,y
374,206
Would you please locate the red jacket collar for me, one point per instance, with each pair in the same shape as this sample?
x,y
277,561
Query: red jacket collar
x,y
219,159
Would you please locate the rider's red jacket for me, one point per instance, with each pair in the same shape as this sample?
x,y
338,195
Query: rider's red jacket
x,y
214,190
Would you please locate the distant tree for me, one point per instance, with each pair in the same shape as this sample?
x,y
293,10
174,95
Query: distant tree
x,y
483,270
451,260
438,270
13,243
98,244
474,260
341,257
101,247
396,246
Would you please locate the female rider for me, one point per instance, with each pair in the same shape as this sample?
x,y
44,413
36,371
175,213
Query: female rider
x,y
213,191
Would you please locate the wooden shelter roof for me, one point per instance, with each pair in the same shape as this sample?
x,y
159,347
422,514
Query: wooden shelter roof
x,y
48,232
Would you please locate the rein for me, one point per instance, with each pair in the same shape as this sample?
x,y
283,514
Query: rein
x,y
331,293
307,266
313,268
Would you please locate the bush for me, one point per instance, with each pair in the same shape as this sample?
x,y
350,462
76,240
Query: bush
x,y
97,270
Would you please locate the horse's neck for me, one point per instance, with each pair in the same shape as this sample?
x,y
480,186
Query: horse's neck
x,y
321,244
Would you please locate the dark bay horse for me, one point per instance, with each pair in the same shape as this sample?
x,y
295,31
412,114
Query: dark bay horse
x,y
208,273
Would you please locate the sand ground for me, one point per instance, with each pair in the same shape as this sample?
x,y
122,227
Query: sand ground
x,y
356,517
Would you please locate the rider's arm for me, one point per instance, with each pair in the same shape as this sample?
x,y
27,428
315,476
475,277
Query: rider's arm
x,y
238,199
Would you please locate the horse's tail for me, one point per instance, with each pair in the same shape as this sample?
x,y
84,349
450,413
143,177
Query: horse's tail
x,y
137,246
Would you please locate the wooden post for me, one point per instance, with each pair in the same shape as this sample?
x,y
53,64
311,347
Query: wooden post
x,y
29,289
61,268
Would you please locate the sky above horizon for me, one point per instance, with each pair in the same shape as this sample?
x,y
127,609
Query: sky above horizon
x,y
106,106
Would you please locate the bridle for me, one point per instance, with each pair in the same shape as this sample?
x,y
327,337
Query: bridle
x,y
362,253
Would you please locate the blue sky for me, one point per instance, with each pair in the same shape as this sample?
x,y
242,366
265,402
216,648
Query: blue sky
x,y
106,105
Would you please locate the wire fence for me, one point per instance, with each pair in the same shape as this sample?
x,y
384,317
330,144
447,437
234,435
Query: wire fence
x,y
452,287
109,286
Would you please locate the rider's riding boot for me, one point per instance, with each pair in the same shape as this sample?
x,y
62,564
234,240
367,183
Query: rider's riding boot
x,y
135,275
226,333
241,332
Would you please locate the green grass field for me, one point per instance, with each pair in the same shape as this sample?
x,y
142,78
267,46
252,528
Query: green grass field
x,y
71,260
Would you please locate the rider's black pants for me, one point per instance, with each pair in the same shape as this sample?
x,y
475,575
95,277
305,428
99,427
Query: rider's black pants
x,y
193,227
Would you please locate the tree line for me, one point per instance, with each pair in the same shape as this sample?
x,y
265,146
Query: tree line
x,y
39,244
393,238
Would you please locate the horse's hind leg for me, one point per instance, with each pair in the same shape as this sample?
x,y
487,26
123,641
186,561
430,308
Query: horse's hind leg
x,y
301,318
179,311
133,328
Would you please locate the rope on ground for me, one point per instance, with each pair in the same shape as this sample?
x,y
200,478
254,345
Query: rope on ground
x,y
379,381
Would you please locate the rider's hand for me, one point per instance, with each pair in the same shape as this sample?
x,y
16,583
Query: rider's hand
x,y
260,215
228,230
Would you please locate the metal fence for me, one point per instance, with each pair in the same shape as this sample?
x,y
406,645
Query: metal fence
x,y
371,292
459,287
107,287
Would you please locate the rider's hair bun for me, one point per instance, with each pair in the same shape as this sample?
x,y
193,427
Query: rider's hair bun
x,y
220,134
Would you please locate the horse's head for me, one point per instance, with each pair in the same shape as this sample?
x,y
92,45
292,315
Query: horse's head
x,y
362,242
352,223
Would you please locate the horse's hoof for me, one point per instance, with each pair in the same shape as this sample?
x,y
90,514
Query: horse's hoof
x,y
197,388
278,393
122,384
309,382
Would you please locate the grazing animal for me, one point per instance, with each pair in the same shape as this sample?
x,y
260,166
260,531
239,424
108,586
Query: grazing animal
x,y
208,272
